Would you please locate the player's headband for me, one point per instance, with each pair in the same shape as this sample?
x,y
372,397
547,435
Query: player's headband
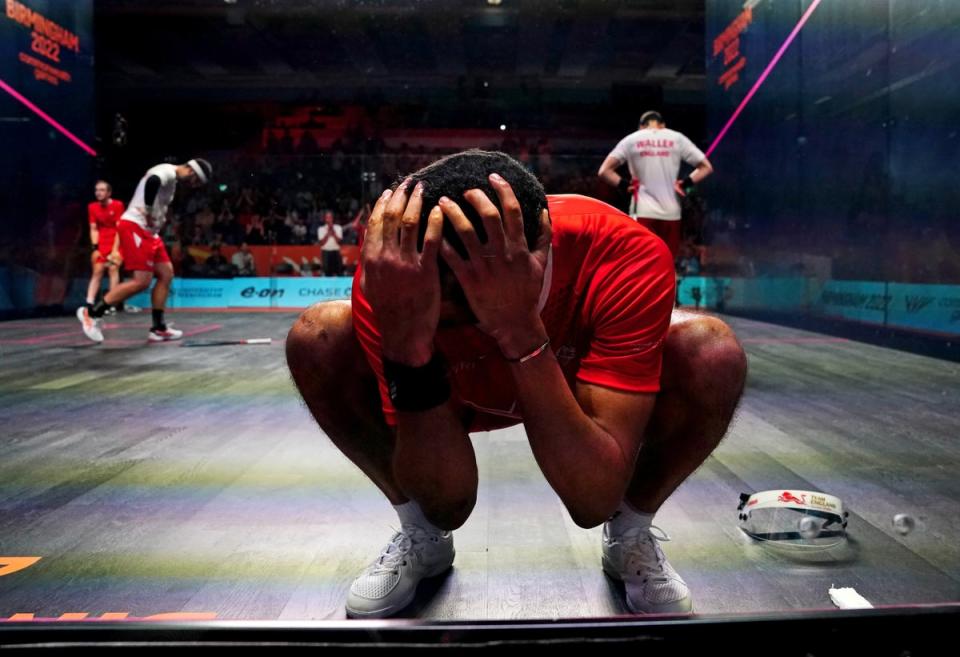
x,y
799,518
651,116
197,169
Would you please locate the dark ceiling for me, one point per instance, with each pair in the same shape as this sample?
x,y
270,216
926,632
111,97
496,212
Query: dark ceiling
x,y
342,49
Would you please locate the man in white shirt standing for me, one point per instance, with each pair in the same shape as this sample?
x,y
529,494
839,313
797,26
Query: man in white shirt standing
x,y
653,154
330,237
142,248
244,262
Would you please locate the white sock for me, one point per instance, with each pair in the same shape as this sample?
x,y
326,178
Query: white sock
x,y
90,301
411,514
626,517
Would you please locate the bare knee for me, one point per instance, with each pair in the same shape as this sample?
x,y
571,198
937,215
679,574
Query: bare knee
x,y
704,355
142,282
164,274
452,513
321,340
447,497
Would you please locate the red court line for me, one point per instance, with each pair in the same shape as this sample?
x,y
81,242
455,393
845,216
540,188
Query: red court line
x,y
206,328
44,340
15,325
53,336
187,333
63,325
35,342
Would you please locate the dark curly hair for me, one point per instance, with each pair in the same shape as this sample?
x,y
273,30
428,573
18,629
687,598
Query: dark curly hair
x,y
452,175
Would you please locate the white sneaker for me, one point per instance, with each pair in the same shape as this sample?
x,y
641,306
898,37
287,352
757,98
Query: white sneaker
x,y
165,335
127,308
91,326
390,583
652,585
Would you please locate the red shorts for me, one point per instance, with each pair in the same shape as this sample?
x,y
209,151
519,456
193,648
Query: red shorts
x,y
141,249
105,247
668,231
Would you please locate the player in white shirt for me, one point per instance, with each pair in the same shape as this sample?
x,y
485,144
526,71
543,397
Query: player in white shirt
x,y
142,249
653,154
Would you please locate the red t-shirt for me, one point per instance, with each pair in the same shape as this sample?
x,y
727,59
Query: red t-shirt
x,y
105,218
607,312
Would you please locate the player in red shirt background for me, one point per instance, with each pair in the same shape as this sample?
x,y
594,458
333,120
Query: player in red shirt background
x,y
480,303
103,215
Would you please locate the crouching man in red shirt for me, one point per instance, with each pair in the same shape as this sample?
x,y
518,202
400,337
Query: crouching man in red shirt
x,y
481,303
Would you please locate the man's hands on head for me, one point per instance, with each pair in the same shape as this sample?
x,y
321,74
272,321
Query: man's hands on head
x,y
501,278
401,284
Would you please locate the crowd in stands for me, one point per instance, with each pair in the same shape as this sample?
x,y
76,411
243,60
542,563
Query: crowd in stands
x,y
311,177
323,197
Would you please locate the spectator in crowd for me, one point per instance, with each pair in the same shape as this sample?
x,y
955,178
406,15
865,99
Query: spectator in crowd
x,y
275,227
255,232
226,226
171,231
246,202
293,216
205,220
330,237
294,186
243,261
303,202
244,219
197,236
216,266
299,232
193,203
314,221
353,233
187,264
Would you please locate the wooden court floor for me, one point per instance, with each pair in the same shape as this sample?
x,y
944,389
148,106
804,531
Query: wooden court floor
x,y
153,479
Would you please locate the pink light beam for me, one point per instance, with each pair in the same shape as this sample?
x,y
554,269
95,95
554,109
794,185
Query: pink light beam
x,y
763,76
46,117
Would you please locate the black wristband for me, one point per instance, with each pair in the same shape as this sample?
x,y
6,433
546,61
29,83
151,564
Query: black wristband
x,y
96,246
624,185
415,389
687,183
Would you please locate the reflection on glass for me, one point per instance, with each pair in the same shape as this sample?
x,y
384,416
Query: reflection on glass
x,y
815,269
